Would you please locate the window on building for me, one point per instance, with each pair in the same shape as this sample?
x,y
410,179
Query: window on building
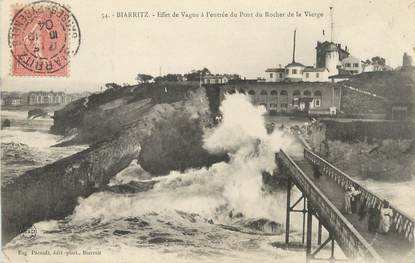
x,y
296,102
273,106
280,75
284,92
317,75
264,92
287,71
271,75
317,103
274,93
348,65
399,113
251,92
294,71
296,93
356,65
284,105
307,93
307,75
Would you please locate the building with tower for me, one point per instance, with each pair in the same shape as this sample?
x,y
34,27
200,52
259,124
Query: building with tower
x,y
333,62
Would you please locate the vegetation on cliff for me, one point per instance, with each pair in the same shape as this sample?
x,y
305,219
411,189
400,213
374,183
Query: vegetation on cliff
x,y
373,157
376,92
387,160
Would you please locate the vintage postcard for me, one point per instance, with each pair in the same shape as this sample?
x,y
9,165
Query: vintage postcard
x,y
207,131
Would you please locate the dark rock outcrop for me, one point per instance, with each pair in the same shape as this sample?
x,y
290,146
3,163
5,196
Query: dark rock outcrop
x,y
32,114
102,115
118,124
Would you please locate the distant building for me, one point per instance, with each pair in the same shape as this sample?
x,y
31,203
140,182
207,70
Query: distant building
x,y
215,79
311,74
353,65
12,100
48,98
219,78
294,72
288,97
274,74
329,55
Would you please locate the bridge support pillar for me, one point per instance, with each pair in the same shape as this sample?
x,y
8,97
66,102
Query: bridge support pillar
x,y
332,258
319,233
287,219
309,256
304,215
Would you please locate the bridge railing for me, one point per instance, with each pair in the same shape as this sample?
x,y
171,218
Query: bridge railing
x,y
348,238
401,224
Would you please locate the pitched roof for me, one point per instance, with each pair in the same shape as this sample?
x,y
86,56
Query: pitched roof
x,y
310,69
275,70
351,59
295,64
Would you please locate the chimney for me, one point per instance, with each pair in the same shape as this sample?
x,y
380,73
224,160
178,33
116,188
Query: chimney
x,y
406,61
295,31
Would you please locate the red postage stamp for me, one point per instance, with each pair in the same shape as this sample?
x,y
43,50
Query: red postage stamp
x,y
43,36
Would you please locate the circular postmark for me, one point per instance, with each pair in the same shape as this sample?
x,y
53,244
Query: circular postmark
x,y
43,36
29,233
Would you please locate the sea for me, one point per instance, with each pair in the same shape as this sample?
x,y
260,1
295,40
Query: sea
x,y
218,214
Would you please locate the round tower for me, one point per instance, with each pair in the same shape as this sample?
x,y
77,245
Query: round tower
x,y
332,60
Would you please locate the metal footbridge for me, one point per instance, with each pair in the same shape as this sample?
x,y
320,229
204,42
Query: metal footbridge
x,y
322,197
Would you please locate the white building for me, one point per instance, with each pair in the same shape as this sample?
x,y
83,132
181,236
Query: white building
x,y
352,64
274,74
332,64
215,79
294,72
311,74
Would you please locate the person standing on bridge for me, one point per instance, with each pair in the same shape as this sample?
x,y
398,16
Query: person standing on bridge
x,y
355,199
386,214
348,200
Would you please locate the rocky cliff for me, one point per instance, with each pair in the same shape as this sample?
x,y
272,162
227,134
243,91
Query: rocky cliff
x,y
161,126
375,158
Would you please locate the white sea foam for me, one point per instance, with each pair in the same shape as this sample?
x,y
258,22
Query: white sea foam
x,y
199,200
236,185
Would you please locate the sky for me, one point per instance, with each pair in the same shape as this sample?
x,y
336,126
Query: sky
x,y
117,49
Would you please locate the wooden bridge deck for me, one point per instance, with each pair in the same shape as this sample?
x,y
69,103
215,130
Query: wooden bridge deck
x,y
391,247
